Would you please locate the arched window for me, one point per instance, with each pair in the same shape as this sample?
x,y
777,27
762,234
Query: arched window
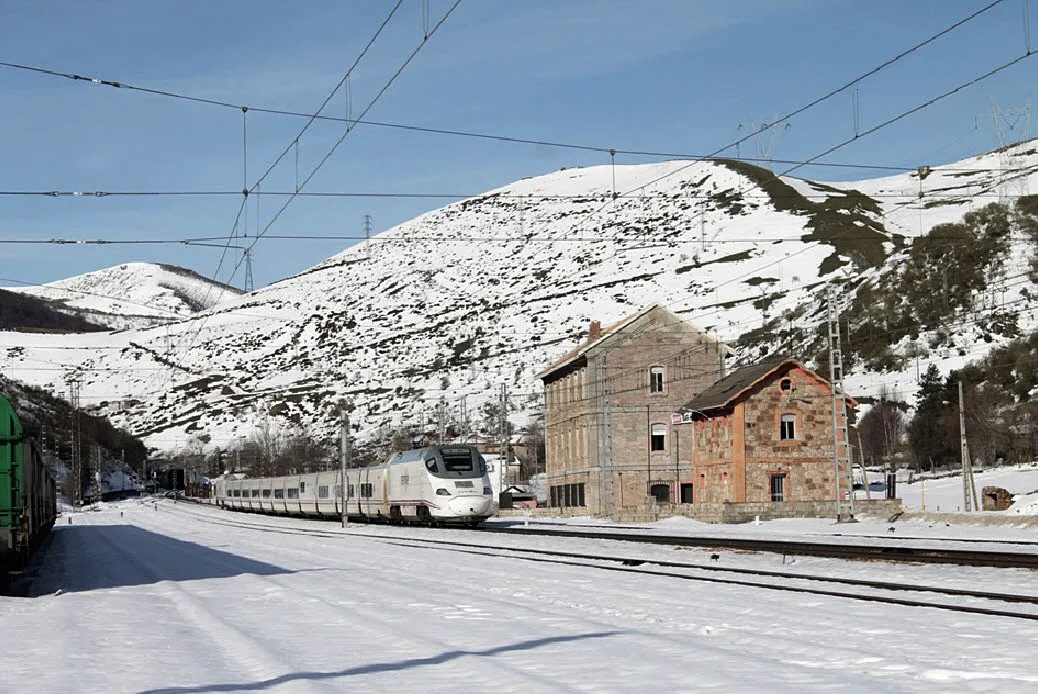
x,y
658,438
656,379
787,427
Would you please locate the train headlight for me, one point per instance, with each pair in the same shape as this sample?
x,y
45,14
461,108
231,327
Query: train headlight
x,y
442,492
488,490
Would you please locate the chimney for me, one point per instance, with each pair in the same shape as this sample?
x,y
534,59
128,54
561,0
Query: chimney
x,y
595,331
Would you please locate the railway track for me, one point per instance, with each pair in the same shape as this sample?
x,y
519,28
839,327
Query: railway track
x,y
633,566
893,553
991,603
849,551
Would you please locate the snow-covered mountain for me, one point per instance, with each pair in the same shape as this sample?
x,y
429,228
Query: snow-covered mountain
x,y
487,291
133,295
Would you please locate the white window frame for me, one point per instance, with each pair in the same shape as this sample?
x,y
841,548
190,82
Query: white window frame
x,y
657,373
657,429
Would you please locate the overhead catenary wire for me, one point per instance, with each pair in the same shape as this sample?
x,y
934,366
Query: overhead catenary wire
x,y
993,3
349,129
900,116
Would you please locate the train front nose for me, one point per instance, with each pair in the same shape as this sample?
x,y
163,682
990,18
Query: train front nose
x,y
470,505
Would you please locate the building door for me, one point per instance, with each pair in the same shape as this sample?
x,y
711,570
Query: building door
x,y
686,493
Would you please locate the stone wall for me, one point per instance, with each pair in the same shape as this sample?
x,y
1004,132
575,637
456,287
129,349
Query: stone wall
x,y
690,362
807,459
749,511
726,513
995,499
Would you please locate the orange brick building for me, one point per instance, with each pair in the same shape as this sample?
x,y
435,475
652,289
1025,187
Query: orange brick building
x,y
762,435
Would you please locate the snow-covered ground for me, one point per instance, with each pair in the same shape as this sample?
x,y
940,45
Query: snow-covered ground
x,y
946,494
179,598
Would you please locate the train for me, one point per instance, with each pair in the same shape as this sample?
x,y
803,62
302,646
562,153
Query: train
x,y
434,485
28,494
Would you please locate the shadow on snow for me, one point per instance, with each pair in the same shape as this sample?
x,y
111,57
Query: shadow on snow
x,y
380,667
93,557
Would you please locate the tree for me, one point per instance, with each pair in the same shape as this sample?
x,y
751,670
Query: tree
x,y
882,429
929,434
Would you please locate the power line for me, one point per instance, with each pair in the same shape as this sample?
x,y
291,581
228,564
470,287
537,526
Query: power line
x,y
653,242
334,91
349,129
834,92
656,154
903,114
951,194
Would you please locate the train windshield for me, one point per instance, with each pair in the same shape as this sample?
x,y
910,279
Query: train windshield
x,y
460,461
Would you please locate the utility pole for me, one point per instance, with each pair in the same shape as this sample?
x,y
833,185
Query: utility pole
x,y
841,441
77,490
249,285
464,415
367,235
503,433
344,492
441,419
967,466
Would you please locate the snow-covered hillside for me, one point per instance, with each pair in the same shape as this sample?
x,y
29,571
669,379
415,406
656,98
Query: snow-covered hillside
x,y
488,291
133,295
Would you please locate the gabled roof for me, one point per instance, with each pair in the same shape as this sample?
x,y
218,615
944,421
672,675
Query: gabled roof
x,y
607,332
582,348
731,387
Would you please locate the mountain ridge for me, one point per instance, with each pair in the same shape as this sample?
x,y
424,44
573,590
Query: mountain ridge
x,y
488,290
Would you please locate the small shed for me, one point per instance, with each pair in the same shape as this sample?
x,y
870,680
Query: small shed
x,y
516,497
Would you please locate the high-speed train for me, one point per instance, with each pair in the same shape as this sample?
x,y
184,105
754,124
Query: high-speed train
x,y
433,485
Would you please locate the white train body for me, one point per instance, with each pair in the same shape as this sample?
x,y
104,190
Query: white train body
x,y
438,484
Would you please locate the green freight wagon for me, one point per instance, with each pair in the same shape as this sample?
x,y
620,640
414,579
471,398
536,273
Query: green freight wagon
x,y
28,496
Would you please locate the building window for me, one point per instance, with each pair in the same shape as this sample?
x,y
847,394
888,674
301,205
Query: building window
x,y
658,438
786,384
686,492
660,491
787,427
778,487
656,379
566,495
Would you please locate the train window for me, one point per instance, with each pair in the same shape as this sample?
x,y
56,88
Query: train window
x,y
227,492
322,491
338,491
279,493
352,492
266,493
255,492
457,461
293,493
302,487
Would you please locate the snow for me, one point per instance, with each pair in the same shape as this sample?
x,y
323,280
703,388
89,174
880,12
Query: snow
x,y
133,295
414,316
177,598
946,494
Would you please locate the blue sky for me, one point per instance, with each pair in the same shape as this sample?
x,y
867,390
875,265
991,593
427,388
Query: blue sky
x,y
663,75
